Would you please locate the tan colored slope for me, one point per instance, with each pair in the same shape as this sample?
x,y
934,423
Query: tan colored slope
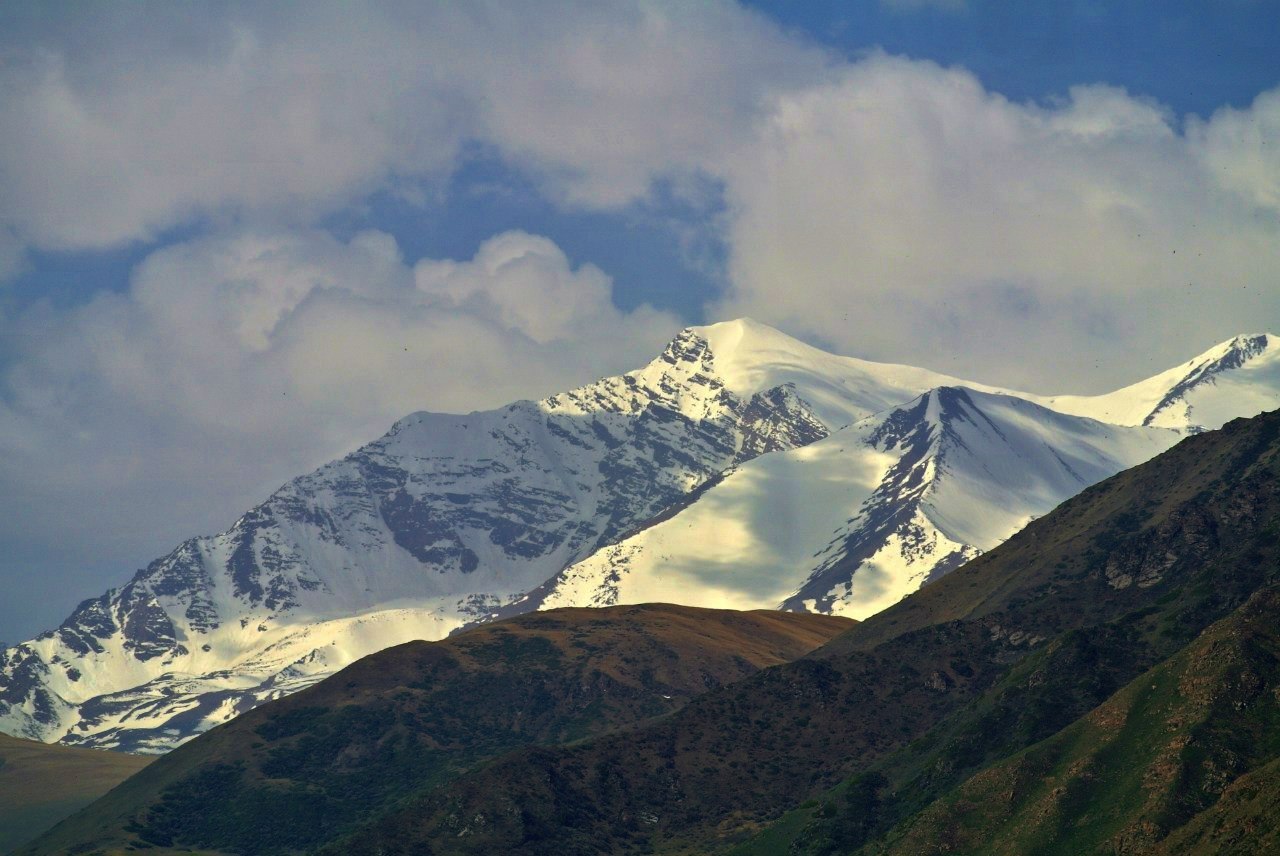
x,y
293,773
42,784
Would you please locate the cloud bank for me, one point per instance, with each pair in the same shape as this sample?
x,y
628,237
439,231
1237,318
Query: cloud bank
x,y
883,206
901,211
235,362
122,122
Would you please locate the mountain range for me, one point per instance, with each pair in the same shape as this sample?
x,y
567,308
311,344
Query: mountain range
x,y
1107,680
419,714
740,469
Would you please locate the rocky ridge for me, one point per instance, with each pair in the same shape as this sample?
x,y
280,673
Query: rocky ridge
x,y
825,483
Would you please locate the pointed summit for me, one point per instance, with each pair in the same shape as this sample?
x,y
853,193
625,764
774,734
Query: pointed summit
x,y
750,357
1250,344
741,467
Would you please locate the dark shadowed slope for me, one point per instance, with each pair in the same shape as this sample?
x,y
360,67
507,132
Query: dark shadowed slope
x,y
299,771
42,784
994,658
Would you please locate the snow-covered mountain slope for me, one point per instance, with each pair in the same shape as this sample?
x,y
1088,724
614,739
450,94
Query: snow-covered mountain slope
x,y
853,523
1238,377
448,516
750,357
740,467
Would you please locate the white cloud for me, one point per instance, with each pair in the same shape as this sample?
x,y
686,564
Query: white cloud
x,y
903,212
120,123
235,363
99,148
950,225
525,282
1241,148
611,96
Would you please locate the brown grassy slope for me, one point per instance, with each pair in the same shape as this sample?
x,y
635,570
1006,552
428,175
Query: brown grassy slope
x,y
41,784
300,770
723,764
1017,646
1156,756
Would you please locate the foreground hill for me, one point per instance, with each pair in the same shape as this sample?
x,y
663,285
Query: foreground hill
x,y
1143,772
740,468
41,784
896,713
298,772
1005,652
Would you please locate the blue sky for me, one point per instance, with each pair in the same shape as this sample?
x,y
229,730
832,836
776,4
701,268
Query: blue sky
x,y
1191,56
237,240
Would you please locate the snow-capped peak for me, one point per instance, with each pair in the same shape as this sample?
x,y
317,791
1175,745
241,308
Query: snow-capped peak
x,y
734,461
750,357
1236,377
853,522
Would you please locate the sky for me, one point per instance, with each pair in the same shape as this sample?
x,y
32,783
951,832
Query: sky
x,y
237,240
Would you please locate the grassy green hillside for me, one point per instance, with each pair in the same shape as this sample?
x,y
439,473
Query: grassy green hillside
x,y
1121,779
1245,821
298,772
41,784
1218,523
1144,772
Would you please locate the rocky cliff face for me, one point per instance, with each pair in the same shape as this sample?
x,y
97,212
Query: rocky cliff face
x,y
439,523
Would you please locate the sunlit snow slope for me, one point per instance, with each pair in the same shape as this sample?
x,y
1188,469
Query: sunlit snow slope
x,y
1240,377
438,523
853,523
741,468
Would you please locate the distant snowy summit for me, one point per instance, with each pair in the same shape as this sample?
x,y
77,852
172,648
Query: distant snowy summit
x,y
1240,377
741,468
